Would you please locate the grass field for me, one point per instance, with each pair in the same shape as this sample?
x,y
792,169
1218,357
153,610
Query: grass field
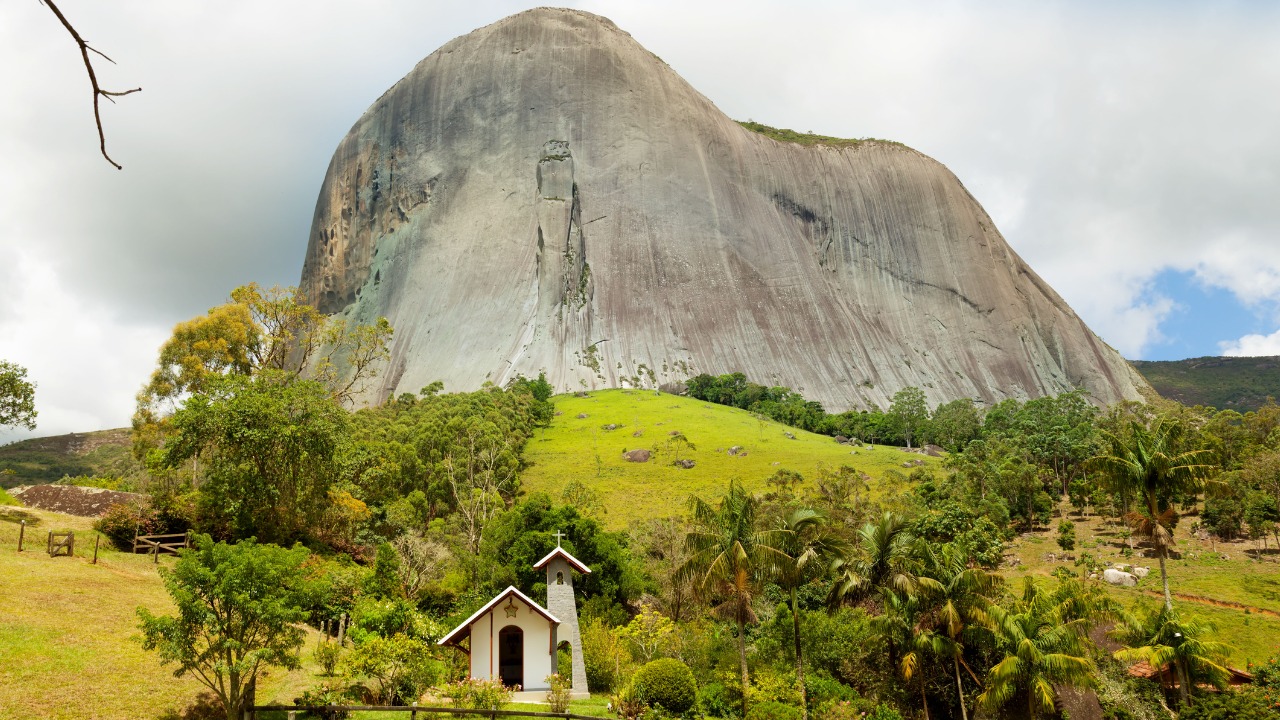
x,y
580,449
1202,581
69,644
105,453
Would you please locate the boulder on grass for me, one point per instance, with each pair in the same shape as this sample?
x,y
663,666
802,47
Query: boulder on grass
x,y
1141,571
1119,577
637,455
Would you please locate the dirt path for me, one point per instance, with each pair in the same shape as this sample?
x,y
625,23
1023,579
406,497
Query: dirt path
x,y
1228,604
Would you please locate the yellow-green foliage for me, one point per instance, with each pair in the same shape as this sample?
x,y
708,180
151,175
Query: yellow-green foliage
x,y
6,498
581,450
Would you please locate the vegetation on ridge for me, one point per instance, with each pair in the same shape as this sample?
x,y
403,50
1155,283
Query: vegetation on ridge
x,y
807,139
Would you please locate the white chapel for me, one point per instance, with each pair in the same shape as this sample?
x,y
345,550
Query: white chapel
x,y
514,639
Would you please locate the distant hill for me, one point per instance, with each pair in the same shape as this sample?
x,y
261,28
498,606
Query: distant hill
x,y
1237,383
104,453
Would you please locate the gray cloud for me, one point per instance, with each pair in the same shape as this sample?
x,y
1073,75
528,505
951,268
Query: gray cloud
x,y
1109,143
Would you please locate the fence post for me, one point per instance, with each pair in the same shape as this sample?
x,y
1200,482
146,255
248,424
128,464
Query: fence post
x,y
49,543
96,539
22,530
71,545
155,553
413,714
293,715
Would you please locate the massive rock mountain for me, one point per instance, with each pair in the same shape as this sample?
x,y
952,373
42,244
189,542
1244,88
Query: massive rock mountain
x,y
544,194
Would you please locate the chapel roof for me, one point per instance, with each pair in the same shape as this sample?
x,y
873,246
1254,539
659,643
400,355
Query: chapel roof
x,y
458,633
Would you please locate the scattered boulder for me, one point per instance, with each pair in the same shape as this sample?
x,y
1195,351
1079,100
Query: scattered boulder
x,y
775,463
790,435
674,388
735,450
932,450
582,416
842,439
559,413
853,452
637,433
1142,572
610,426
870,447
686,464
1119,577
674,432
637,455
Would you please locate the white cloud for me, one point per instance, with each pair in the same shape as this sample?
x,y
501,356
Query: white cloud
x,y
1252,345
83,360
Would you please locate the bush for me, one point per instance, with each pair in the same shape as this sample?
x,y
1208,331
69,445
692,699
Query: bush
x,y
1229,705
714,701
326,654
475,694
324,694
669,683
121,522
628,703
559,693
822,690
773,710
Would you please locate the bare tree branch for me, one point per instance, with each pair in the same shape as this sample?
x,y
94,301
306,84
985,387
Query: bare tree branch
x,y
98,92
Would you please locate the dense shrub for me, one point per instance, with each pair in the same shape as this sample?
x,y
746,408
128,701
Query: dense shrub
x,y
714,701
822,689
475,694
1247,705
773,710
669,683
121,522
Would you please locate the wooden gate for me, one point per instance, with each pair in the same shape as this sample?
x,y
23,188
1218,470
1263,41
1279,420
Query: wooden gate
x,y
62,544
156,544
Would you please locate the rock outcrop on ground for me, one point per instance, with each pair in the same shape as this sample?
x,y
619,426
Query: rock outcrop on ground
x,y
544,194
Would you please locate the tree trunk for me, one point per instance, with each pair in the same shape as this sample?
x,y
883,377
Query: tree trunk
x,y
742,659
1183,690
924,700
964,713
1164,578
804,700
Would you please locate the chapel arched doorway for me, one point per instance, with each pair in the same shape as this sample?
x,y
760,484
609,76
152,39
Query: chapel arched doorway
x,y
511,656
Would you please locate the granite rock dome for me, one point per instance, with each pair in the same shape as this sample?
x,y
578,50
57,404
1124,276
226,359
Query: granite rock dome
x,y
544,194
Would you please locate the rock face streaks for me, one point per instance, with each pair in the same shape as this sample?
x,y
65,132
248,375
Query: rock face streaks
x,y
546,194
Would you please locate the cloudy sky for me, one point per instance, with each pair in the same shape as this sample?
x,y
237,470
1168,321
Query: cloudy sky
x,y
1128,151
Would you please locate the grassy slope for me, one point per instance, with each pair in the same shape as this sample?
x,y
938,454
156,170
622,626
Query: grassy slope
x,y
579,449
1241,384
68,631
45,460
1201,572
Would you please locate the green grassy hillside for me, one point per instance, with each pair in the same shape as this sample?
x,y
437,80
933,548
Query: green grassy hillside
x,y
1238,383
582,449
45,460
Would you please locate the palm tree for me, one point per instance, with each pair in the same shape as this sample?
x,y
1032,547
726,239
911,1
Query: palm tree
x,y
1041,649
728,555
806,543
954,595
885,557
898,628
1151,464
1164,640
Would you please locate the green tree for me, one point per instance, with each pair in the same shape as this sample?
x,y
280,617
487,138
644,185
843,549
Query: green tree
x,y
955,424
1163,639
1067,535
1042,647
806,544
885,556
270,449
953,597
239,611
909,411
17,397
729,554
401,667
1151,463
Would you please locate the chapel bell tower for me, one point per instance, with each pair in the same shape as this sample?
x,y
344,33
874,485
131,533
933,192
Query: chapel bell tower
x,y
561,603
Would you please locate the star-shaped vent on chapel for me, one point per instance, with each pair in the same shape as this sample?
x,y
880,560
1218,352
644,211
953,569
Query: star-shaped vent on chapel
x,y
511,607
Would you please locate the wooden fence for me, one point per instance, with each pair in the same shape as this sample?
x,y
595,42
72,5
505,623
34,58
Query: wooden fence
x,y
62,544
296,712
156,544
